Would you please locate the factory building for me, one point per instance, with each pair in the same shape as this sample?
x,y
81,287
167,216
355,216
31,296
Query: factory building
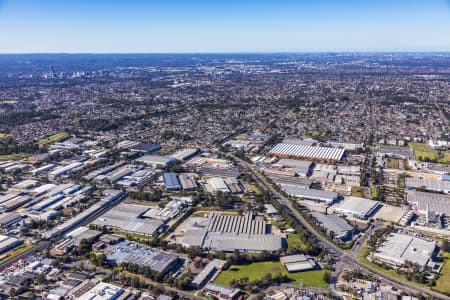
x,y
219,232
102,291
65,169
7,243
134,253
360,208
398,248
298,263
427,184
171,182
156,161
328,154
8,219
310,194
221,292
334,225
429,202
187,182
208,273
185,154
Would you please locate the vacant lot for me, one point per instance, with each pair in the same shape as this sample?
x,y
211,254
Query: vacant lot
x,y
422,152
258,270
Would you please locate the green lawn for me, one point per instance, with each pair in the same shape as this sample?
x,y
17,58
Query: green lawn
x,y
443,283
15,156
126,235
422,150
16,251
52,139
4,135
294,242
258,270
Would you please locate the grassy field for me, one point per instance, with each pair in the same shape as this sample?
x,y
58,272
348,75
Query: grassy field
x,y
258,270
132,235
294,242
443,283
15,156
16,251
52,139
4,135
421,150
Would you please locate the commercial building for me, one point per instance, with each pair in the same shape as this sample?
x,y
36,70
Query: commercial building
x,y
361,208
156,161
102,291
127,218
217,232
7,243
310,194
7,219
334,225
208,273
399,248
140,255
429,202
427,184
185,154
171,182
298,263
221,292
285,150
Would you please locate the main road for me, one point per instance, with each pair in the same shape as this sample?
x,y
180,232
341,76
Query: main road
x,y
350,259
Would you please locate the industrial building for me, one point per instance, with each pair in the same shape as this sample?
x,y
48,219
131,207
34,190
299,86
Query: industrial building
x,y
187,182
429,202
398,248
221,292
208,273
7,243
218,185
169,211
298,263
140,255
310,194
334,225
171,182
127,218
217,232
102,291
156,161
357,207
65,169
285,150
427,184
300,167
7,219
217,172
185,154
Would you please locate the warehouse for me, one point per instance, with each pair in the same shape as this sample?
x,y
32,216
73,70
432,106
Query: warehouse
x,y
65,169
14,203
300,167
7,219
428,184
146,148
7,243
187,182
129,252
221,292
102,291
361,208
185,154
156,161
126,217
218,232
218,185
334,225
216,172
310,194
208,273
298,263
171,182
430,202
398,248
309,152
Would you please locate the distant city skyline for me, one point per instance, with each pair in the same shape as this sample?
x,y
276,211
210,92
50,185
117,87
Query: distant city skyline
x,y
200,26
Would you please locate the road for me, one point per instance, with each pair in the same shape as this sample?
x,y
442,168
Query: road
x,y
347,257
39,246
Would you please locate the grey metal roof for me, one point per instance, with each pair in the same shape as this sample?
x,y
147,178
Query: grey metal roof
x,y
437,203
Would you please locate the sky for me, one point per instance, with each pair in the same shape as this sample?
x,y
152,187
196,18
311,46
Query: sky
x,y
180,26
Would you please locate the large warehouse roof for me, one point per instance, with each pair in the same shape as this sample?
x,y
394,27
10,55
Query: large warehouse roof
x,y
333,223
433,202
311,194
430,184
401,247
311,152
357,207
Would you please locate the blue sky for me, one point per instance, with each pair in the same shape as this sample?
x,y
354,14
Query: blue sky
x,y
223,26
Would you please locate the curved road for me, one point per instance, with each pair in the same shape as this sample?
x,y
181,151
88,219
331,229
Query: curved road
x,y
349,258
